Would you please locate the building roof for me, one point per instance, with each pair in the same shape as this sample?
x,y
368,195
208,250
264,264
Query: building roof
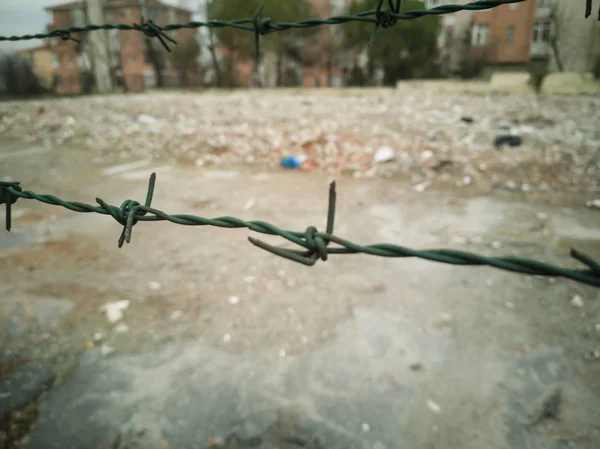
x,y
33,49
113,3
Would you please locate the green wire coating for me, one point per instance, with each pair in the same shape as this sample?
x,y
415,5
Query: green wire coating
x,y
314,244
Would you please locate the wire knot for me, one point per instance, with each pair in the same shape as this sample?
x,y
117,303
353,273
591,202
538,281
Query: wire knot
x,y
128,214
150,29
316,244
6,197
385,19
66,36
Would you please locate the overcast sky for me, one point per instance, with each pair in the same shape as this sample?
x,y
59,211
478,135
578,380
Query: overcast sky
x,y
18,17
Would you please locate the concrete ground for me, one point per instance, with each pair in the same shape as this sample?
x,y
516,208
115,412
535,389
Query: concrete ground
x,y
356,352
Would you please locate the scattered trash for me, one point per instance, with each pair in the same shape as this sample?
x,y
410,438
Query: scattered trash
x,y
495,244
114,310
509,305
154,285
378,288
121,328
365,427
467,180
507,139
148,119
248,205
593,356
233,300
41,109
97,337
304,340
89,344
577,301
282,353
106,350
176,314
458,240
384,154
433,406
544,303
227,338
541,216
292,161
548,407
416,366
593,204
422,186
467,119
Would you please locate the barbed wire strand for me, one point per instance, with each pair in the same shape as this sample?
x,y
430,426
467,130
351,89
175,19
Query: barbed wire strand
x,y
314,244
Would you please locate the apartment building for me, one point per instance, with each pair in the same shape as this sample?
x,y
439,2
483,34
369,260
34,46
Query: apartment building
x,y
127,51
553,33
40,60
316,74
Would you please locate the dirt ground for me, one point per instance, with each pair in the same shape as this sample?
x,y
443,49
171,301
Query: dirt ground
x,y
225,345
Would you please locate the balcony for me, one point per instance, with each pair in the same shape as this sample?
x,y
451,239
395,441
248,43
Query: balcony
x,y
540,50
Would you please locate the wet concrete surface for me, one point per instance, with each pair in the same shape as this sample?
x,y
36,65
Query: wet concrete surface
x,y
356,352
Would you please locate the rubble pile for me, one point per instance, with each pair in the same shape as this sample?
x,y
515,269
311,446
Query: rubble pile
x,y
511,142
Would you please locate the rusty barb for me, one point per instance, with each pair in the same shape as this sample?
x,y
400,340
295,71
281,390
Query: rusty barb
x,y
313,244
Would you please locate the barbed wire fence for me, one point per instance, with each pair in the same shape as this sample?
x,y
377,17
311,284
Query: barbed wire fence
x,y
315,244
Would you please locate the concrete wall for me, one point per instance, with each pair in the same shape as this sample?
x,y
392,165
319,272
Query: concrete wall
x,y
578,38
511,83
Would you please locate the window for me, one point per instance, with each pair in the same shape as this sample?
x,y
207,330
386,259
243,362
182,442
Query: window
x,y
542,31
480,34
55,61
78,17
510,35
545,3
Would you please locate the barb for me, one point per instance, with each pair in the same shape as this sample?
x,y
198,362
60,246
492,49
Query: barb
x,y
315,244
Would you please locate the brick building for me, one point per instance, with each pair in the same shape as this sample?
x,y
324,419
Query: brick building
x,y
128,57
40,60
309,75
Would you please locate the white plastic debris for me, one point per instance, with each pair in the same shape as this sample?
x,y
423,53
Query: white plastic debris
x,y
227,338
176,314
509,305
114,310
365,427
458,240
234,300
577,301
541,216
467,180
154,285
422,186
248,205
595,204
384,154
97,337
304,338
433,406
106,350
282,353
148,119
496,244
121,328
